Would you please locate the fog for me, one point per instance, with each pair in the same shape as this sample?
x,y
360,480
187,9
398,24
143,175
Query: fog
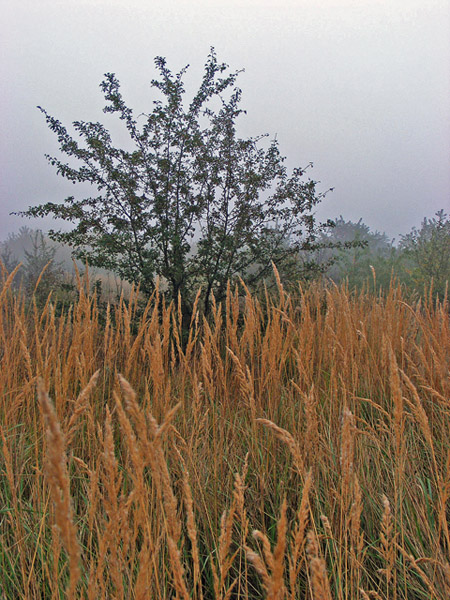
x,y
361,89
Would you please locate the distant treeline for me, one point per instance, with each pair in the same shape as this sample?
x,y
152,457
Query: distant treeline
x,y
418,260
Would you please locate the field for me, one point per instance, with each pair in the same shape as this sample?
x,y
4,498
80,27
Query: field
x,y
293,446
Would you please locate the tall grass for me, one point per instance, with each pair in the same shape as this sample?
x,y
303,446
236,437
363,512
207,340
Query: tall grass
x,y
290,447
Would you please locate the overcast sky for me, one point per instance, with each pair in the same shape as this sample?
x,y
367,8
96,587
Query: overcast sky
x,y
359,87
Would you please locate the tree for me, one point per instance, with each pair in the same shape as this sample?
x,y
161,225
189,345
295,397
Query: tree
x,y
429,251
191,201
40,273
355,249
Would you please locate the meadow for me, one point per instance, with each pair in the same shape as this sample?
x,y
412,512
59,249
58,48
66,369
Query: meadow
x,y
292,446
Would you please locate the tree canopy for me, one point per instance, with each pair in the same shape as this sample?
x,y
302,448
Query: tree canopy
x,y
429,251
190,201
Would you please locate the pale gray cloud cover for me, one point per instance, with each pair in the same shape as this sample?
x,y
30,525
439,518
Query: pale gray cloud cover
x,y
361,88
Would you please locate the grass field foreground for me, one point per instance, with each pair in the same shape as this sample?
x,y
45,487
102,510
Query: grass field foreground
x,y
295,446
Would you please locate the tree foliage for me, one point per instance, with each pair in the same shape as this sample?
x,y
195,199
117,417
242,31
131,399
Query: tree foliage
x,y
41,272
428,249
190,200
355,250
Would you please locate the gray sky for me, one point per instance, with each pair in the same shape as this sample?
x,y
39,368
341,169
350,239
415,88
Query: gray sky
x,y
359,87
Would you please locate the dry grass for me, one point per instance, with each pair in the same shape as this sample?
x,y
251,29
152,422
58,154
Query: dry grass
x,y
296,447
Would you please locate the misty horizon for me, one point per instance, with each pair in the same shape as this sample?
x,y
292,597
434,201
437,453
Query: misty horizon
x,y
361,92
